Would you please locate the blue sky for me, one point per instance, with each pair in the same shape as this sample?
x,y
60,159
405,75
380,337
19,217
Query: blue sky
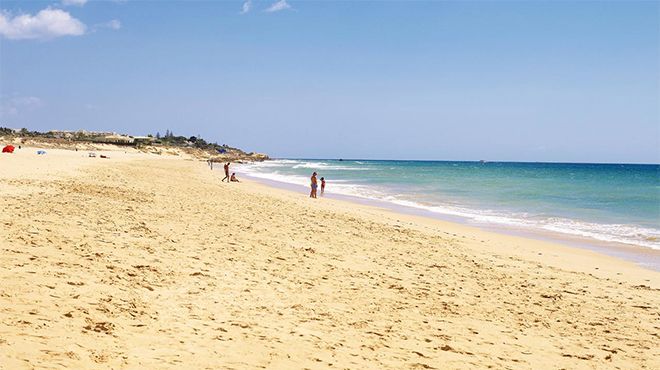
x,y
526,81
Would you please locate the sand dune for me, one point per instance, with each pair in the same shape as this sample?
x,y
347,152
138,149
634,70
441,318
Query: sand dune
x,y
147,262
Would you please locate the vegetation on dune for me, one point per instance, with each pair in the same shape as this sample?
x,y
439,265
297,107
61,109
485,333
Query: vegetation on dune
x,y
193,141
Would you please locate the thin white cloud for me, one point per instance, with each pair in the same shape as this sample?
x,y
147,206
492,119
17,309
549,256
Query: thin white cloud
x,y
49,23
114,24
74,2
277,6
247,6
16,104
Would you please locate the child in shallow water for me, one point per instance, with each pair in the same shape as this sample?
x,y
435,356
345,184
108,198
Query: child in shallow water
x,y
322,185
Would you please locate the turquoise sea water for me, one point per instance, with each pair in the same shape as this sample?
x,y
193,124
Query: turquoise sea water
x,y
605,202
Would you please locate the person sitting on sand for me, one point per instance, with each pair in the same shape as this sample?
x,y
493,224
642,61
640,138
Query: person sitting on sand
x,y
314,184
322,185
226,166
233,178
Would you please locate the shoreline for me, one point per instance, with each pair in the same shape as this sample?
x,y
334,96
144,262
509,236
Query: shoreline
x,y
644,257
538,250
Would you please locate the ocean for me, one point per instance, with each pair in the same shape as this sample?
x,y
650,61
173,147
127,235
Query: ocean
x,y
617,203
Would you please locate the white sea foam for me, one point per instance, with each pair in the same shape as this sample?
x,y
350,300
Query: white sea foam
x,y
338,186
620,233
269,164
326,166
276,176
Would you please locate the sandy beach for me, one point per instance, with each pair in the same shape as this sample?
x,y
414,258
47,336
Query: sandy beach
x,y
147,261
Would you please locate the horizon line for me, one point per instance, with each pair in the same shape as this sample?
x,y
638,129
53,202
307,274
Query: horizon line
x,y
467,161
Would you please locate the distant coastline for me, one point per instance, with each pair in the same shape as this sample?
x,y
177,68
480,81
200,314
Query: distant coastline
x,y
168,143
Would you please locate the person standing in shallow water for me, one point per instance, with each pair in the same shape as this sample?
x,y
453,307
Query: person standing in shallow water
x,y
322,185
226,172
314,185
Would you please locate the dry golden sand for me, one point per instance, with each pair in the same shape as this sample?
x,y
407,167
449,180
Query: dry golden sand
x,y
140,262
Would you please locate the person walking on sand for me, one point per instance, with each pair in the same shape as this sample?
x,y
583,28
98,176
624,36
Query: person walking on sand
x,y
226,172
314,184
322,185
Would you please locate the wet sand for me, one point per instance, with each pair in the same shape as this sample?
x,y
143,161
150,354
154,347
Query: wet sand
x,y
642,256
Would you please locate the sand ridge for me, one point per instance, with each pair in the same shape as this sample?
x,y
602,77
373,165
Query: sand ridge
x,y
140,262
